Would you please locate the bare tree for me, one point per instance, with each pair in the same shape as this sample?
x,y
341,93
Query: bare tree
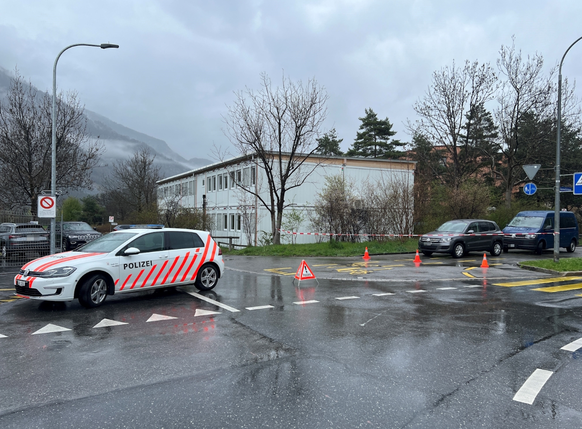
x,y
389,204
524,90
280,127
25,145
132,183
446,111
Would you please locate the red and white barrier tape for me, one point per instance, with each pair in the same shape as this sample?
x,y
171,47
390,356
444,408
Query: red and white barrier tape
x,y
328,234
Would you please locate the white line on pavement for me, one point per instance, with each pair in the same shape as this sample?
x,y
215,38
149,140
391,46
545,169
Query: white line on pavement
x,y
260,307
532,386
211,301
573,346
342,298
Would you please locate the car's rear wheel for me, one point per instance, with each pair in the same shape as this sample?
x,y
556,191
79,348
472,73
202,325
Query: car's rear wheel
x,y
458,250
496,249
426,253
572,247
93,291
207,277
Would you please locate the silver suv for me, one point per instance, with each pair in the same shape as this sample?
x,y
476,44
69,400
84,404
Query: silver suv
x,y
461,236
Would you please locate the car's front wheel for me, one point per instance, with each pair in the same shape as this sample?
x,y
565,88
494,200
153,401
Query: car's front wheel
x,y
93,291
496,249
540,247
207,277
458,250
572,247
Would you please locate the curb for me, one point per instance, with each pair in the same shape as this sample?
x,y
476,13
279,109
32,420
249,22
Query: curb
x,y
548,271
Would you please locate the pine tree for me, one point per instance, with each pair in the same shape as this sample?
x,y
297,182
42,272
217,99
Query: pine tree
x,y
329,144
373,139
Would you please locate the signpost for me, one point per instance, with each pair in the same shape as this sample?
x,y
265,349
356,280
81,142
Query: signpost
x,y
530,188
577,183
47,206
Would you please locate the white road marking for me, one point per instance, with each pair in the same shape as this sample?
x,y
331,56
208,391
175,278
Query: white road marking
x,y
573,346
472,286
342,298
532,386
447,288
157,317
260,307
383,294
200,312
50,328
3,336
108,322
306,302
416,291
213,302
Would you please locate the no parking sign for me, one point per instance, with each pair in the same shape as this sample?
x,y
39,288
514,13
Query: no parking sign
x,y
47,206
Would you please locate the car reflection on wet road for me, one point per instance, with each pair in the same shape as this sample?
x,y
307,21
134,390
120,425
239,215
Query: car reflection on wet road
x,y
265,350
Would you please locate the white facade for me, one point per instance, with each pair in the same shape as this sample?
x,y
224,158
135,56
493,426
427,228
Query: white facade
x,y
234,212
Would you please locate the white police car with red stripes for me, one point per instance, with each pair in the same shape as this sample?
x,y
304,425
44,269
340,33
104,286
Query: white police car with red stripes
x,y
124,261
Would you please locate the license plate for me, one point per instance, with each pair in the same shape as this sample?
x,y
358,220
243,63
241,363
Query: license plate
x,y
511,245
30,238
22,283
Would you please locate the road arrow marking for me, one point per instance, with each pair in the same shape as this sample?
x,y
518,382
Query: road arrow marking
x,y
108,322
157,317
205,312
50,328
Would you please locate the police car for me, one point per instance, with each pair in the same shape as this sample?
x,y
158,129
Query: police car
x,y
124,261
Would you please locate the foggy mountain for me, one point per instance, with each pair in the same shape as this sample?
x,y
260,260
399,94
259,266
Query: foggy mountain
x,y
120,143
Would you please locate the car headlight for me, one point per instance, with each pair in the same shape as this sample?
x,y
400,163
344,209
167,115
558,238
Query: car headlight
x,y
55,272
446,239
73,237
530,236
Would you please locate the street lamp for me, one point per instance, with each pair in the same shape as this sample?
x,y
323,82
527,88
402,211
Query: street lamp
x,y
557,184
54,131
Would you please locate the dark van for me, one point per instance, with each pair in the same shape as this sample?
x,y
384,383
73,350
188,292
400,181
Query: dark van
x,y
534,230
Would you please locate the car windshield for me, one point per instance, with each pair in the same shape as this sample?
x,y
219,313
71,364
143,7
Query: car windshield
x,y
527,222
452,226
77,226
107,243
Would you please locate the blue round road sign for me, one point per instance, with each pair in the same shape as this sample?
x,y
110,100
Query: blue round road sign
x,y
530,188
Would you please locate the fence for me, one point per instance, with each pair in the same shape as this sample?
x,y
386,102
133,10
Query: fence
x,y
15,253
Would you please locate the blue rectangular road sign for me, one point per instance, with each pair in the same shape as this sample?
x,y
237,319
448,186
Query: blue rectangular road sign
x,y
577,184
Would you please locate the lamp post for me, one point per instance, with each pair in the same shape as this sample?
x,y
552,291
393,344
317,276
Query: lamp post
x,y
54,131
557,184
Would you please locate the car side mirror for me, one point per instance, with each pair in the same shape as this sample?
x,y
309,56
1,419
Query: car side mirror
x,y
131,251
470,231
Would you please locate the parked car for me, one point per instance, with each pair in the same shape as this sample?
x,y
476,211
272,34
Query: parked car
x,y
124,261
534,230
22,237
461,236
70,235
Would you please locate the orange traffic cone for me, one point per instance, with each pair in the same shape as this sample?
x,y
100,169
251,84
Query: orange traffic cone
x,y
366,256
417,257
484,264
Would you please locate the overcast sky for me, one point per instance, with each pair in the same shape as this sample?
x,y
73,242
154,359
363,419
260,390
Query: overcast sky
x,y
180,62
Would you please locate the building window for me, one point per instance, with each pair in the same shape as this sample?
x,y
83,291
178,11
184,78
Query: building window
x,y
238,177
239,222
225,181
246,178
220,182
214,183
225,222
253,175
232,222
232,181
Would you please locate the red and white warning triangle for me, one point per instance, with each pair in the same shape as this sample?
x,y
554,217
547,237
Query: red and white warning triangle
x,y
304,272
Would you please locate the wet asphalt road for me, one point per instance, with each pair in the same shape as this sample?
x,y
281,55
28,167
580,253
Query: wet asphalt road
x,y
384,343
